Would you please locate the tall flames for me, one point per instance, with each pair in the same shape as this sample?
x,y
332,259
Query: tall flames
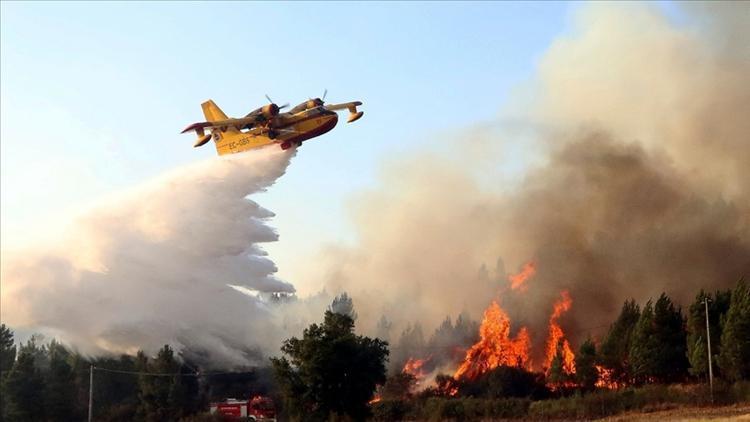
x,y
495,346
556,341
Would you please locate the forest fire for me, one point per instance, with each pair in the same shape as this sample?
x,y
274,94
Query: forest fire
x,y
415,368
556,342
495,346
605,379
518,281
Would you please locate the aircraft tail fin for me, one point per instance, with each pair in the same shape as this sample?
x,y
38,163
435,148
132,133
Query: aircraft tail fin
x,y
212,111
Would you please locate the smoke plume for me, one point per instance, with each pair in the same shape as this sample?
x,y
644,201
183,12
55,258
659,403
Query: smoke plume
x,y
639,182
635,180
152,266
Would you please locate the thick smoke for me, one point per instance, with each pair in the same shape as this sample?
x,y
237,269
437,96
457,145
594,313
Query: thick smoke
x,y
636,181
153,265
640,183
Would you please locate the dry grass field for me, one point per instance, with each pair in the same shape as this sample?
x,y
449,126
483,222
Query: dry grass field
x,y
737,412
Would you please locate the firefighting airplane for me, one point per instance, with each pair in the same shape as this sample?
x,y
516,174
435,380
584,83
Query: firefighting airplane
x,y
266,125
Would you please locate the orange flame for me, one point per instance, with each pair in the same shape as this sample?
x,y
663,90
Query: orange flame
x,y
557,336
415,368
605,379
375,399
495,346
518,281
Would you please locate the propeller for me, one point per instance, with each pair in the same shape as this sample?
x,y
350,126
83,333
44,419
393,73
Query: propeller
x,y
319,101
285,105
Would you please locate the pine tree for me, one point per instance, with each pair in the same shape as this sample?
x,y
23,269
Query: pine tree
x,y
155,387
696,327
558,376
658,351
670,325
7,351
344,305
383,330
79,366
115,394
643,345
411,343
60,396
614,353
440,342
734,359
7,359
466,330
24,389
183,396
586,373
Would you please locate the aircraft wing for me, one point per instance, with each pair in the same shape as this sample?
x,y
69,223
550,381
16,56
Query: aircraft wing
x,y
236,123
334,107
352,107
262,131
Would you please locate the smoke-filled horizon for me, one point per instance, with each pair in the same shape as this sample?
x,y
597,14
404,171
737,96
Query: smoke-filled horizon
x,y
637,182
640,185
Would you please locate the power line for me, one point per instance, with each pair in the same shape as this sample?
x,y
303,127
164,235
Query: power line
x,y
93,368
176,374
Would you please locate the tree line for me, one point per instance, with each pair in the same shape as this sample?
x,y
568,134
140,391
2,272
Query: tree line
x,y
46,381
332,372
659,344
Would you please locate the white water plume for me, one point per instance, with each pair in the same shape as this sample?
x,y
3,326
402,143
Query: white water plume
x,y
152,265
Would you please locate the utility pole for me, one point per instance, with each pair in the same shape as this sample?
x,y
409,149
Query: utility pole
x,y
708,342
91,391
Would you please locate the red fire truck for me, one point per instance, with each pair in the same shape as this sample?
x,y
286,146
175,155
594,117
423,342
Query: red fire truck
x,y
258,408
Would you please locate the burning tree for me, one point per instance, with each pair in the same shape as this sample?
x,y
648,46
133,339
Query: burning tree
x,y
495,347
410,344
559,362
587,373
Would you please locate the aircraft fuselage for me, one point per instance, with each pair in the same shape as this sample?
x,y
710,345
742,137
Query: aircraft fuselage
x,y
288,130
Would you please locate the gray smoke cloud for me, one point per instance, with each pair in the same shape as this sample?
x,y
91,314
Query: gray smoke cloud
x,y
636,181
153,265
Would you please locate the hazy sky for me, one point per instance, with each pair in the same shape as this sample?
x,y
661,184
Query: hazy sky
x,y
94,95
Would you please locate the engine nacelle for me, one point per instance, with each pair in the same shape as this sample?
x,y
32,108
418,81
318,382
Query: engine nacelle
x,y
269,111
